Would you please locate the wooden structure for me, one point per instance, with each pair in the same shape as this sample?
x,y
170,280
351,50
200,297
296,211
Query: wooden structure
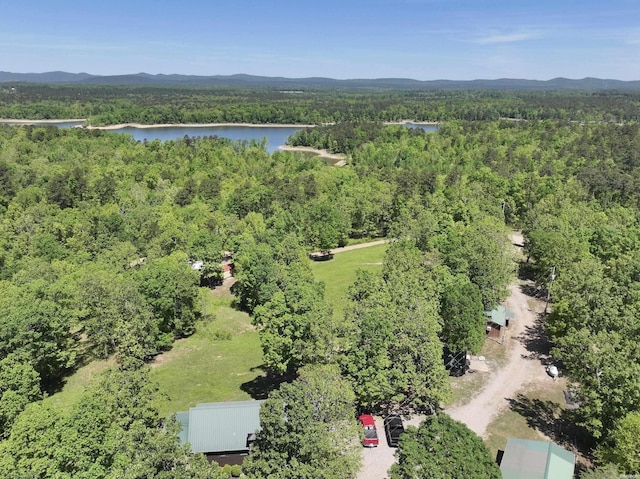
x,y
497,322
323,255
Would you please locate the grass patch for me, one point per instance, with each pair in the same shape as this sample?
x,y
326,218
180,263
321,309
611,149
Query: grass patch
x,y
214,363
75,384
339,273
534,414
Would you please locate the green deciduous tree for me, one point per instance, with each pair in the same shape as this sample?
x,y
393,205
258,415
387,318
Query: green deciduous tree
x,y
290,322
441,447
623,445
308,430
395,354
171,288
463,320
19,386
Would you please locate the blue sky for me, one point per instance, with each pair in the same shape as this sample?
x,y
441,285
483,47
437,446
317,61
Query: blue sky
x,y
420,39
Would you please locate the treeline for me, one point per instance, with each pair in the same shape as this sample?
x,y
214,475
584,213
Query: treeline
x,y
573,188
97,232
104,105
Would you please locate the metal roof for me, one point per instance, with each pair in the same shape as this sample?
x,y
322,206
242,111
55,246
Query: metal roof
x,y
524,459
219,427
499,315
183,419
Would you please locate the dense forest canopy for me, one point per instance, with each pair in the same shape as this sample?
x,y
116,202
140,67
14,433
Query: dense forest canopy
x,y
104,105
97,233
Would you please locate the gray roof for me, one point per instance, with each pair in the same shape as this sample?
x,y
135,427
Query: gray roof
x,y
524,459
219,427
499,315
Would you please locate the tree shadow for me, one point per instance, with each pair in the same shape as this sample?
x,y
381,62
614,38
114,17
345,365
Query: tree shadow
x,y
530,289
526,271
261,386
536,341
85,353
557,424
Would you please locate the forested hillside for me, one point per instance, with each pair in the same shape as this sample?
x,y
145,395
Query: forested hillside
x,y
106,105
98,231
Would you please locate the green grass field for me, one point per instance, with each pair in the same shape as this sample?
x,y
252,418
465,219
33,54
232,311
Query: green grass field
x,y
209,366
532,415
340,273
213,364
222,360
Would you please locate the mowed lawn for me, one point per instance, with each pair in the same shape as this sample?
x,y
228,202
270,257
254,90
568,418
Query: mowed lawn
x,y
339,273
211,365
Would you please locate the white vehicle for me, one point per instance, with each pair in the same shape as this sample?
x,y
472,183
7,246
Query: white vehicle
x,y
552,371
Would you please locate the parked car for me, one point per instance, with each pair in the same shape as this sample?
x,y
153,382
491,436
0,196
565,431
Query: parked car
x,y
370,432
393,428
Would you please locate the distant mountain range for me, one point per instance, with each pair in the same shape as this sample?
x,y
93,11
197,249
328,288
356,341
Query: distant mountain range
x,y
142,79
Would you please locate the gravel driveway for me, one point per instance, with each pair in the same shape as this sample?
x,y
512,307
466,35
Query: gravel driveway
x,y
489,402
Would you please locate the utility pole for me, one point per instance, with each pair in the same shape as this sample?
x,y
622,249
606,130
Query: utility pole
x,y
553,276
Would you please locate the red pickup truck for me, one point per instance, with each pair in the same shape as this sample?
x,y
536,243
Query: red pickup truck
x,y
370,431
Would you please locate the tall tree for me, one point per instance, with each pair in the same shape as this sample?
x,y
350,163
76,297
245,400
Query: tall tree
x,y
462,315
395,356
623,445
308,430
442,447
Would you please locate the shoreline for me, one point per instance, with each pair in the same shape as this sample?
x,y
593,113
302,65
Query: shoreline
x,y
339,159
11,121
195,125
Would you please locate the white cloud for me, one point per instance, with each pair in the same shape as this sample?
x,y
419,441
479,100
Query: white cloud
x,y
507,38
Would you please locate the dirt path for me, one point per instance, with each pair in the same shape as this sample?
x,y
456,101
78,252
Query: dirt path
x,y
358,246
522,366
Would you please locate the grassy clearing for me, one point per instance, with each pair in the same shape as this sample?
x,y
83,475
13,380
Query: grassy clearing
x,y
534,414
340,273
76,383
211,365
214,363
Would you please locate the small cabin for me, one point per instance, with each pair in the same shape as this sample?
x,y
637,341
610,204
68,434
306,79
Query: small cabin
x,y
497,321
222,431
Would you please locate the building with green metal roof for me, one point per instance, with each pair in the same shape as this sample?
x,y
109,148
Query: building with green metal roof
x,y
525,459
223,428
497,319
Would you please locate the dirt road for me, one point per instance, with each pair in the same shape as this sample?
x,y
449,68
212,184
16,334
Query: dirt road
x,y
358,246
523,366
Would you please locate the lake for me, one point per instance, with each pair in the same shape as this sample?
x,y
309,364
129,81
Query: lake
x,y
275,135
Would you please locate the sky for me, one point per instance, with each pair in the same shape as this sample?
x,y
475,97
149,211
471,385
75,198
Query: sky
x,y
419,39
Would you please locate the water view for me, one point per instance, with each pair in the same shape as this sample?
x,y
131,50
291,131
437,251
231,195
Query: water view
x,y
275,135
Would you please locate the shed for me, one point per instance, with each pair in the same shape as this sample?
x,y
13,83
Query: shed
x,y
497,320
525,459
221,430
